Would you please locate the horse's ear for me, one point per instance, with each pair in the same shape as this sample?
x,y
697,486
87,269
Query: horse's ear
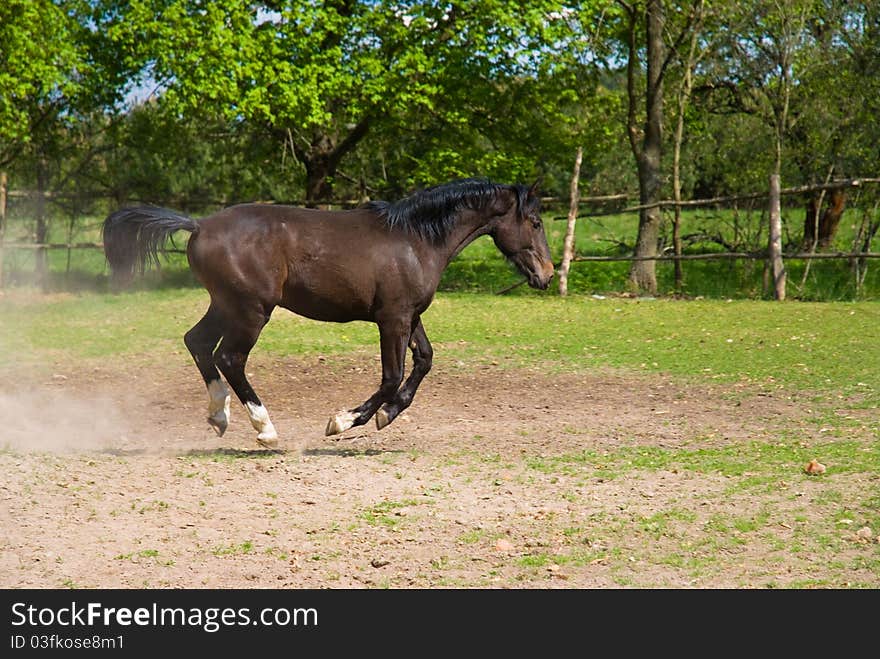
x,y
533,190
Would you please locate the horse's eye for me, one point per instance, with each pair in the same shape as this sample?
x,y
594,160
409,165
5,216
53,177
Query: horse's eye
x,y
536,223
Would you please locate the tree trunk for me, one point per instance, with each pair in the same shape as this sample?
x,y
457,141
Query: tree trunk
x,y
777,267
320,170
684,95
830,219
862,243
642,276
676,189
568,245
811,221
321,159
821,226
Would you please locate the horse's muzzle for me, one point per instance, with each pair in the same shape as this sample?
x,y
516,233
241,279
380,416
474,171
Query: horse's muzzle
x,y
537,270
540,277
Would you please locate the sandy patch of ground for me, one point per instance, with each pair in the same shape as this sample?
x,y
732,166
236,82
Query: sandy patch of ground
x,y
493,478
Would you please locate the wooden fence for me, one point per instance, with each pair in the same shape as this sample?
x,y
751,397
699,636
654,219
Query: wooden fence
x,y
772,254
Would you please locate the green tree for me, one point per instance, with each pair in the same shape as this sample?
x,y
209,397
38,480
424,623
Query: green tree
x,y
56,73
188,162
639,40
794,85
322,75
42,60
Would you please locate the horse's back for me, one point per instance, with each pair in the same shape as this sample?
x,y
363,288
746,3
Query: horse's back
x,y
326,265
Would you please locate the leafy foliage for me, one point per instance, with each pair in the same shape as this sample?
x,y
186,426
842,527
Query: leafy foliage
x,y
294,100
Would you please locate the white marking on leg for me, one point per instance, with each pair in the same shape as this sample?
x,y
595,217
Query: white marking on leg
x,y
218,406
267,436
340,423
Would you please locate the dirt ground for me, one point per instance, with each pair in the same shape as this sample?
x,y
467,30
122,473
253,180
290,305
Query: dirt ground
x,y
111,478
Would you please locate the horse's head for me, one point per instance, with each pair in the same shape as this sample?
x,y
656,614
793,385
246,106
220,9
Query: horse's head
x,y
519,234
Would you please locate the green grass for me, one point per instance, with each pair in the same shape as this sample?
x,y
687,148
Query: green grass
x,y
383,513
472,537
245,547
819,347
753,465
770,502
145,553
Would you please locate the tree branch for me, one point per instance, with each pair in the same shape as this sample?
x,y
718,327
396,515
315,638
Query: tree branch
x,y
690,23
351,140
632,59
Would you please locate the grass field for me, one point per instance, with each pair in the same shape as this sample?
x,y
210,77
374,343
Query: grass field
x,y
826,347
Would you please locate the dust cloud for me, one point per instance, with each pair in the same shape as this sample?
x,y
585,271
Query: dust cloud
x,y
49,420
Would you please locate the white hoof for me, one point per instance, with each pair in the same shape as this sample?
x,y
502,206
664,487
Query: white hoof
x,y
268,439
267,436
340,423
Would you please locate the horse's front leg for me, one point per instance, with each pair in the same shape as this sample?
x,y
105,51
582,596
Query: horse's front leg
x,y
423,355
393,336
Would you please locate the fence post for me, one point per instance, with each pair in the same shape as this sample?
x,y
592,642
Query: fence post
x,y
568,245
41,231
2,221
777,268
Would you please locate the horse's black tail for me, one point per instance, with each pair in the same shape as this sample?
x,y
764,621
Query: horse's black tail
x,y
133,237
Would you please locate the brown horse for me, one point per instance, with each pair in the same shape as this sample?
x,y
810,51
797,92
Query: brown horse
x,y
381,262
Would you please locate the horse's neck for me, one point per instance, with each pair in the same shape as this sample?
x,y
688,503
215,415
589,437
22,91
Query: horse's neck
x,y
469,227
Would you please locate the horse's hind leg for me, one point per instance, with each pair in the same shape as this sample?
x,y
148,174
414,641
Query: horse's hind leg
x,y
231,356
201,341
423,355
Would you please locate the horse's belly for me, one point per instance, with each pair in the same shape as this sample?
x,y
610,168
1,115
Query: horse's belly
x,y
340,306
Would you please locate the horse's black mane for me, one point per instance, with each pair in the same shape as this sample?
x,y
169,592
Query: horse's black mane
x,y
431,212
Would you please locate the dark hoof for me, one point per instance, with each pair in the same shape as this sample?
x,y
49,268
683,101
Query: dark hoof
x,y
218,427
383,418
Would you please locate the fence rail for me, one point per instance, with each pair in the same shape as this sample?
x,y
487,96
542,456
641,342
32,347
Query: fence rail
x,y
576,202
755,256
696,203
52,246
